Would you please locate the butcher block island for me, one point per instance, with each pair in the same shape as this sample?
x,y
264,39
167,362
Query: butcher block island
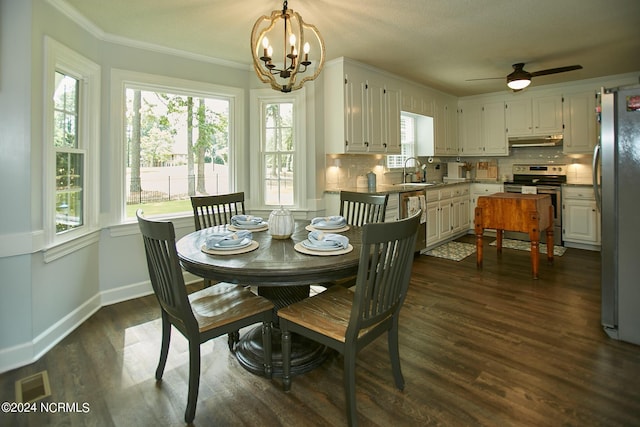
x,y
528,213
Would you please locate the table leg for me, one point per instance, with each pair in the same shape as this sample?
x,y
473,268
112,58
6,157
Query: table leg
x,y
306,354
479,231
549,232
499,236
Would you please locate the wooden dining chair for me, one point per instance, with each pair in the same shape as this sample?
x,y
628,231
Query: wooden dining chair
x,y
359,209
202,315
362,208
209,211
347,321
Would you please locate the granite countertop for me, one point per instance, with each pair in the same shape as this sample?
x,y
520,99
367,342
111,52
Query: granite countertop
x,y
402,188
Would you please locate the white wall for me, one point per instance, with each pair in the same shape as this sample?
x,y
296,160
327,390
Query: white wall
x,y
40,302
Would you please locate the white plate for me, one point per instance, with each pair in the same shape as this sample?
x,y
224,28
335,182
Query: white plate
x,y
243,244
259,227
304,250
309,245
253,245
334,230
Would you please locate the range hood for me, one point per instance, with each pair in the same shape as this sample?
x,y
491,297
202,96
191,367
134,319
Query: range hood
x,y
535,141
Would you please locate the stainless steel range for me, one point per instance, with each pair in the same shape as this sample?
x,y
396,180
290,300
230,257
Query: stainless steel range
x,y
541,179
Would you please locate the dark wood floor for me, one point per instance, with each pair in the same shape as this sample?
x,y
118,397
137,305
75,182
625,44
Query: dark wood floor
x,y
492,348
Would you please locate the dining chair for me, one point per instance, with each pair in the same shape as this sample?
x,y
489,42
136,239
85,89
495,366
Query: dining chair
x,y
359,209
347,321
199,316
362,208
209,211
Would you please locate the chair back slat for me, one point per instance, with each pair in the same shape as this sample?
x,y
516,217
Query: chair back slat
x,y
164,270
362,208
384,271
209,211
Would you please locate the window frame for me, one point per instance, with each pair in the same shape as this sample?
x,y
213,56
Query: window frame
x,y
124,79
59,58
399,159
260,97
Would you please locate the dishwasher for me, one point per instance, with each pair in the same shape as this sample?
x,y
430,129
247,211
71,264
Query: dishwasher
x,y
421,240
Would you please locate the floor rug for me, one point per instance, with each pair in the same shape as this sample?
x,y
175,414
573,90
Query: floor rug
x,y
455,251
526,246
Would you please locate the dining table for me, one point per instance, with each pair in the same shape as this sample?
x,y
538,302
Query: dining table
x,y
282,272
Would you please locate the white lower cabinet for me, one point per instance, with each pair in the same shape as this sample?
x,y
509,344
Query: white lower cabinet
x,y
580,218
478,190
447,213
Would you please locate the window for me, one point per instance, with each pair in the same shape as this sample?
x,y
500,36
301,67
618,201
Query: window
x,y
71,141
177,147
408,137
69,158
277,149
278,153
173,138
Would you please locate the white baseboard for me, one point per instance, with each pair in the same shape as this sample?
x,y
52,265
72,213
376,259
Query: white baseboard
x,y
29,352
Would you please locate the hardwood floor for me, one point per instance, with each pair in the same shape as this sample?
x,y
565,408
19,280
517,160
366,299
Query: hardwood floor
x,y
491,347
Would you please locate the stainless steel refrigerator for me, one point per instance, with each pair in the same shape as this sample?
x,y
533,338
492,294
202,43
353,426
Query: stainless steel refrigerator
x,y
616,174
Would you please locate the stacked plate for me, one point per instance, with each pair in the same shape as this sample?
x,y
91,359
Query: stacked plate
x,y
334,223
321,243
229,241
248,222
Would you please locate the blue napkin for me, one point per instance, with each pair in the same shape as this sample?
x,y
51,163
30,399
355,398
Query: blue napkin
x,y
321,240
240,220
335,221
228,239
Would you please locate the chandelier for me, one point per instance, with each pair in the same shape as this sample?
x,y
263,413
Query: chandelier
x,y
281,68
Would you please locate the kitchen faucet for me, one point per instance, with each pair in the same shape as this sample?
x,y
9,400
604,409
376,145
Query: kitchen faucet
x,y
404,168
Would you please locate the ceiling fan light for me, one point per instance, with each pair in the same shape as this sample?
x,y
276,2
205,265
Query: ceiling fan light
x,y
518,84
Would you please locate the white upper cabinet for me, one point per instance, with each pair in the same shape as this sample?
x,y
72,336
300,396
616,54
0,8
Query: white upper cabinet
x,y
580,125
446,126
482,128
362,110
532,116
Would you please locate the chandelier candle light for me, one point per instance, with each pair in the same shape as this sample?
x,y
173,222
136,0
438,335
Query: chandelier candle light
x,y
286,23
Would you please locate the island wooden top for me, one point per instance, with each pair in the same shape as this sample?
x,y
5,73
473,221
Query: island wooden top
x,y
274,263
513,211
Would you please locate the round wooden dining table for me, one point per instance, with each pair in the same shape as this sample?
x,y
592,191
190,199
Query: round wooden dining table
x,y
281,274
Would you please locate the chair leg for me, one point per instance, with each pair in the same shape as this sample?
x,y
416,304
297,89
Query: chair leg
x,y
194,380
266,344
286,355
164,346
232,340
350,385
394,355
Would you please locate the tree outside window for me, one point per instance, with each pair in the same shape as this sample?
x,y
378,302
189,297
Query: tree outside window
x,y
278,153
177,147
69,172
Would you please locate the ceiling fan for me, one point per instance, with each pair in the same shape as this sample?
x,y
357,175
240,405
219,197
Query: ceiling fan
x,y
520,79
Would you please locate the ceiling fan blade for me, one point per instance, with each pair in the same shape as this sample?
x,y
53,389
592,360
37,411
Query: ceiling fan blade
x,y
556,70
486,78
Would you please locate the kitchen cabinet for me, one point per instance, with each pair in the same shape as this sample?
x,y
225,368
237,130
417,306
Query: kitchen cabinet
x,y
445,127
580,127
477,190
580,218
534,116
482,128
447,213
362,109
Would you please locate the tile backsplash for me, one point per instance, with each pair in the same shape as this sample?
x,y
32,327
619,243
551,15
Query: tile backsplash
x,y
342,170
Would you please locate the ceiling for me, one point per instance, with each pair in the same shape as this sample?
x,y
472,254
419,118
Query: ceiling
x,y
439,43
